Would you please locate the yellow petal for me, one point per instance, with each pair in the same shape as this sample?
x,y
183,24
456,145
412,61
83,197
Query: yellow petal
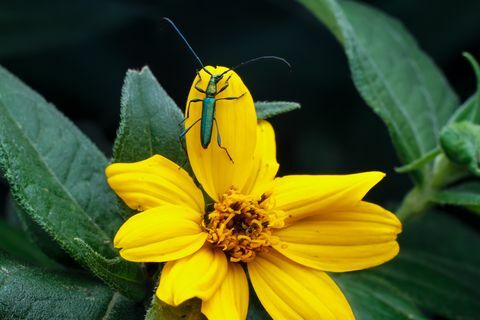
x,y
153,182
230,300
198,275
160,234
290,291
301,196
360,237
265,165
237,124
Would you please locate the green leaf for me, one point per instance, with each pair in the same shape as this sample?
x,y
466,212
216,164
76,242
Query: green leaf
x,y
371,297
269,109
464,194
470,110
189,310
474,209
31,293
393,75
17,244
123,276
57,177
429,281
475,109
444,235
419,163
39,236
151,122
437,267
461,144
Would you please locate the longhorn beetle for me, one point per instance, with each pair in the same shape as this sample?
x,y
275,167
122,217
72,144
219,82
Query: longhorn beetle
x,y
211,91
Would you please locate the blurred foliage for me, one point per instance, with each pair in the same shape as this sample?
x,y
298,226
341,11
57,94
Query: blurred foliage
x,y
71,52
76,53
32,293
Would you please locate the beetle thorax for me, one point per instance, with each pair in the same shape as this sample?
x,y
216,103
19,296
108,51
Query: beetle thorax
x,y
211,90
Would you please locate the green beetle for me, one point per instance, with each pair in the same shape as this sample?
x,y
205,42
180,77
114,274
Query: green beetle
x,y
211,91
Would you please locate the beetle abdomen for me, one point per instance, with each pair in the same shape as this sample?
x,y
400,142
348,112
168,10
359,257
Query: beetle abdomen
x,y
206,124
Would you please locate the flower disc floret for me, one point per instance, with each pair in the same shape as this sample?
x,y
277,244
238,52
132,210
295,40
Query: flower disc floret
x,y
241,225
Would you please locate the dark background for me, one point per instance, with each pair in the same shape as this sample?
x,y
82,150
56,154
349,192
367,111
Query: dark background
x,y
76,53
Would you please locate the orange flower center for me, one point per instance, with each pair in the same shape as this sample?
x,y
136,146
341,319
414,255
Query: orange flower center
x,y
240,225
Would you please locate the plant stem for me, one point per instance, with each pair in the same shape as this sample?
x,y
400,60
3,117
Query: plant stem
x,y
415,202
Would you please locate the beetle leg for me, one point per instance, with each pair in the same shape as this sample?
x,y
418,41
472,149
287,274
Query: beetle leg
x,y
184,132
182,122
188,107
219,141
198,81
188,129
225,86
232,98
206,70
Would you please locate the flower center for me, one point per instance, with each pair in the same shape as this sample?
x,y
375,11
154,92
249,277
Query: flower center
x,y
240,225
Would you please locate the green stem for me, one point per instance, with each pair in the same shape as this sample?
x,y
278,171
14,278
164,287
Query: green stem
x,y
414,203
417,200
446,172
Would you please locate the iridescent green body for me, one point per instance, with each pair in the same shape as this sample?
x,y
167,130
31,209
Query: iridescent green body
x,y
206,122
208,109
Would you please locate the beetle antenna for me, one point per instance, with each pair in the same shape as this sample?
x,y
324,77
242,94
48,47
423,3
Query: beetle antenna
x,y
184,40
261,58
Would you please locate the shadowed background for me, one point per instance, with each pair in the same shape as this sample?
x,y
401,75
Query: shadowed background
x,y
76,54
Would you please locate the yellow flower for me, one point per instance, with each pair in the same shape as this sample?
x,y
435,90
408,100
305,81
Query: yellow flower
x,y
285,231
